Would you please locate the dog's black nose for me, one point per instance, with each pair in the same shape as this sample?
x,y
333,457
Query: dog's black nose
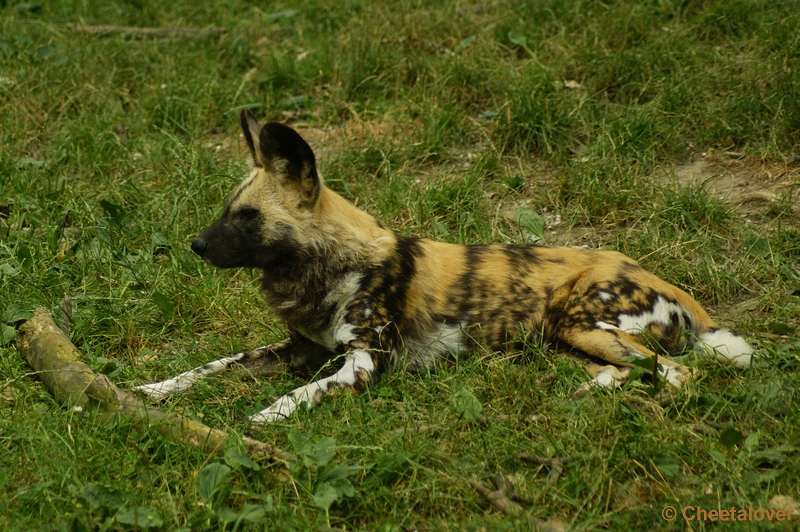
x,y
199,246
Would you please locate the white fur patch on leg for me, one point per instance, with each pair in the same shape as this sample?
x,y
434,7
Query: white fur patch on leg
x,y
357,361
676,376
610,377
184,381
727,346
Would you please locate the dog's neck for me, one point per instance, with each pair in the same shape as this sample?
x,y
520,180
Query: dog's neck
x,y
344,240
349,228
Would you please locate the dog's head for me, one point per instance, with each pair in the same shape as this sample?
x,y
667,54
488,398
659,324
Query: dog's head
x,y
266,221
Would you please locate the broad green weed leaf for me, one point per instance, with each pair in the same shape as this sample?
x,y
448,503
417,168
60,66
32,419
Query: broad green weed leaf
x,y
102,497
758,246
25,256
209,479
343,487
531,222
516,38
312,453
667,465
337,471
325,496
769,456
199,520
7,334
16,312
329,492
298,440
388,469
320,453
164,304
635,376
718,456
731,437
227,515
235,455
116,214
254,512
639,362
751,442
139,516
466,404
781,328
7,270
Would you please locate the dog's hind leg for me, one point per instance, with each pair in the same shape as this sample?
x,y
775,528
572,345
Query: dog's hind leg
x,y
614,345
260,361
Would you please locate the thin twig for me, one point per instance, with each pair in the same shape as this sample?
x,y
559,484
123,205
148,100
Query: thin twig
x,y
151,33
499,499
546,460
496,498
554,463
420,429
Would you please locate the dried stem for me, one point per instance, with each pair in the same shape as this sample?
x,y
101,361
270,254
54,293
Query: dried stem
x,y
151,33
554,463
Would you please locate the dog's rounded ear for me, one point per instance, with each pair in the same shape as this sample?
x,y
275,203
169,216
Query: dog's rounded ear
x,y
284,152
252,134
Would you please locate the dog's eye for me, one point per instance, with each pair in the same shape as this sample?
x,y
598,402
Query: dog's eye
x,y
246,213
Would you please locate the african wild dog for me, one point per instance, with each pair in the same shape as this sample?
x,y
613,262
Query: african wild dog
x,y
346,285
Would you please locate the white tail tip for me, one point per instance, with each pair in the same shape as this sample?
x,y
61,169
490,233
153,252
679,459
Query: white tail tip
x,y
728,347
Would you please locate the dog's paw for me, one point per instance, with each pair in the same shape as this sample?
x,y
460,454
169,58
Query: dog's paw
x,y
279,410
609,377
157,391
679,376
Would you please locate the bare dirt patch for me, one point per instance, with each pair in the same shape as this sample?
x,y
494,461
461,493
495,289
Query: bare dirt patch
x,y
757,190
325,140
754,188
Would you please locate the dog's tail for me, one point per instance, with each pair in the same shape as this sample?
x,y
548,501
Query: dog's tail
x,y
726,345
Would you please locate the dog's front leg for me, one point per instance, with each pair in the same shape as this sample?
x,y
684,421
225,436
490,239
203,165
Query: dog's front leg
x,y
269,355
358,370
364,348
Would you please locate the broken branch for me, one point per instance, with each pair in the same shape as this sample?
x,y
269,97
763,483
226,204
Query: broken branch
x,y
58,364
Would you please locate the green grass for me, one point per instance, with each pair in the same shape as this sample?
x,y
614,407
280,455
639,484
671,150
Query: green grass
x,y
442,117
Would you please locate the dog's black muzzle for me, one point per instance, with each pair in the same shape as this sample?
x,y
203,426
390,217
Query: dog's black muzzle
x,y
199,245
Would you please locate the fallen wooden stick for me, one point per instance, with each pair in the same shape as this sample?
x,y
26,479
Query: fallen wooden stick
x,y
554,463
152,33
58,364
497,498
500,500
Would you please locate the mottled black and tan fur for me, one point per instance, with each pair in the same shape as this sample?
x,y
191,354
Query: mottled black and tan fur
x,y
346,285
